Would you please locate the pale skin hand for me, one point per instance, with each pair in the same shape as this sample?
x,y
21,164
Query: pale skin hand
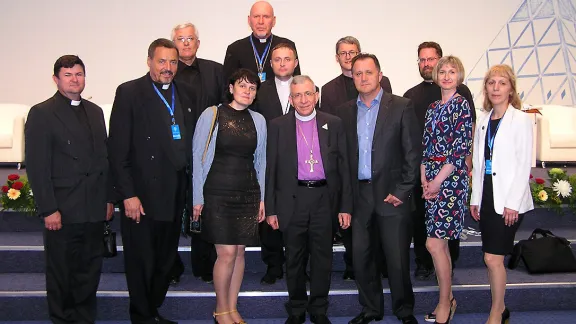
x,y
53,222
261,213
196,211
133,208
391,199
109,211
474,210
344,219
510,216
272,220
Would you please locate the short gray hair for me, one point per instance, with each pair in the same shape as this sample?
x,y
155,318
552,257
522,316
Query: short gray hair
x,y
182,26
348,40
299,79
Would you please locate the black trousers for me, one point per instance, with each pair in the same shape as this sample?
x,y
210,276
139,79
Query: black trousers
x,y
349,251
272,248
395,234
309,232
423,257
73,266
203,256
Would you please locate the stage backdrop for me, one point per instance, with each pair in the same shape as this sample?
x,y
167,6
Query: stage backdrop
x,y
537,37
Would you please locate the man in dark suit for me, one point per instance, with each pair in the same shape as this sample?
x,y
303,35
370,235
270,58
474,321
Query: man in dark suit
x,y
253,51
148,157
307,180
67,166
334,93
203,81
384,154
341,89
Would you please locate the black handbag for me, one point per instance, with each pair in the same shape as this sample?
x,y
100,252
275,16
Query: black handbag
x,y
546,254
110,249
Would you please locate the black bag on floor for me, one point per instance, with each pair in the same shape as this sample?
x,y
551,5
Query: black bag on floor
x,y
546,254
110,249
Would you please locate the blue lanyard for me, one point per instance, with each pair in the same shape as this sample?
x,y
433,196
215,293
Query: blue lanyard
x,y
490,137
260,59
170,108
437,116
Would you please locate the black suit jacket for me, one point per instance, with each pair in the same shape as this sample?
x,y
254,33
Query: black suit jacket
x,y
241,55
282,165
142,160
268,103
65,174
334,93
396,151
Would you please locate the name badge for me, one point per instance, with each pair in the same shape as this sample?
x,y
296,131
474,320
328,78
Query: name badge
x,y
488,166
176,132
262,76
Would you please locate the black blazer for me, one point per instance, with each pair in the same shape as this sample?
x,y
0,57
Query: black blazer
x,y
282,165
213,85
64,173
396,151
143,163
241,55
334,93
268,103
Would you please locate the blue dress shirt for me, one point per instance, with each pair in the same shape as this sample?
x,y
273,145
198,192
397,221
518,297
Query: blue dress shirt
x,y
365,124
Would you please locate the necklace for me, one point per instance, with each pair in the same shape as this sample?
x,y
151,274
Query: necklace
x,y
310,161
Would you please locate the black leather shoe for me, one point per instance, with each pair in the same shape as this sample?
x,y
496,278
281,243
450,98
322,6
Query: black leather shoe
x,y
422,273
362,318
337,239
270,278
409,320
174,281
384,275
320,319
296,319
207,279
349,275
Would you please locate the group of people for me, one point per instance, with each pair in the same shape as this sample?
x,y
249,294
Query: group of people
x,y
256,153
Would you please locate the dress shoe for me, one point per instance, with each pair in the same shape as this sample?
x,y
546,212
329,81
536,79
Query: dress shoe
x,y
174,280
296,319
207,279
384,275
337,239
270,278
505,316
349,275
320,319
363,318
409,320
422,273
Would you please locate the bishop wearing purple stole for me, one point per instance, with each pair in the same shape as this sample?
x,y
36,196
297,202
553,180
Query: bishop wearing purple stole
x,y
307,183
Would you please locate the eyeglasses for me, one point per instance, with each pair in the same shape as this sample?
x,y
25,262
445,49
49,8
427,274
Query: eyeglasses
x,y
186,39
350,53
308,94
429,60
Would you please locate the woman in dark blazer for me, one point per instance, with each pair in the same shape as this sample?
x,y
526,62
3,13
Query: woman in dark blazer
x,y
500,189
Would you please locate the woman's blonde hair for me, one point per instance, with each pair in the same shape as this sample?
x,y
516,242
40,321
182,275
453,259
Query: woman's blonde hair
x,y
505,71
449,60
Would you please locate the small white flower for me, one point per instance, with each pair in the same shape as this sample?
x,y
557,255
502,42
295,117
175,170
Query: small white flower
x,y
562,188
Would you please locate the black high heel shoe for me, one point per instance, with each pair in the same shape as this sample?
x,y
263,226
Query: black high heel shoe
x,y
505,316
431,317
450,315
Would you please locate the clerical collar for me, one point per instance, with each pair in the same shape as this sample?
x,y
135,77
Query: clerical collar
x,y
429,81
283,83
163,86
260,40
305,118
75,102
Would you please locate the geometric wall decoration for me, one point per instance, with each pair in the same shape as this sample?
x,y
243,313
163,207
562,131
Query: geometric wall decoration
x,y
539,43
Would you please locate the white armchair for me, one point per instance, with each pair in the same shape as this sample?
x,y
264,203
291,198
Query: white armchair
x,y
556,134
12,118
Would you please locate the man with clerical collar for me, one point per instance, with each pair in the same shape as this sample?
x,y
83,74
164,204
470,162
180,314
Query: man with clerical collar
x,y
307,181
423,95
67,166
341,89
253,51
203,81
148,151
384,152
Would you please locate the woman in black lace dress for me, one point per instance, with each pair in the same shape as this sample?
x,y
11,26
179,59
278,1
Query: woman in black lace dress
x,y
229,162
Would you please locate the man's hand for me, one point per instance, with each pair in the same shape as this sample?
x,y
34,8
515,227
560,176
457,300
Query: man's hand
x,y
109,211
53,222
510,216
475,212
261,213
196,211
393,200
344,219
133,208
272,221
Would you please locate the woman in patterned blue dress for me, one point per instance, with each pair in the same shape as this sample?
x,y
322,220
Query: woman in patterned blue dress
x,y
447,141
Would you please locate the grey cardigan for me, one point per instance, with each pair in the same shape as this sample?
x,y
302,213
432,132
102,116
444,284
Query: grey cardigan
x,y
200,169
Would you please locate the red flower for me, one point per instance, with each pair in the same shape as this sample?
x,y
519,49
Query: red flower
x,y
17,185
13,177
531,176
539,181
5,189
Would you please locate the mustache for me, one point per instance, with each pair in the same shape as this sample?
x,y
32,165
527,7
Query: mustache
x,y
168,72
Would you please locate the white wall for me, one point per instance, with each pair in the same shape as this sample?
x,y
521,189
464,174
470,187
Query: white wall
x,y
112,36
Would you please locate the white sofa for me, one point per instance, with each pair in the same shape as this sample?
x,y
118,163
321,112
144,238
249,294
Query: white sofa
x,y
12,118
556,134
